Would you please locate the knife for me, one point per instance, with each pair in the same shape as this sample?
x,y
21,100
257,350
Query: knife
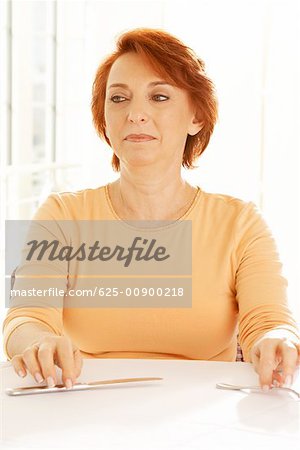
x,y
77,386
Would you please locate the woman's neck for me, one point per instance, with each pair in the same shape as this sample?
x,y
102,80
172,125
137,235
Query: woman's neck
x,y
151,201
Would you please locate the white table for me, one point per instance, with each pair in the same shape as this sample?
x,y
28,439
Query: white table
x,y
184,411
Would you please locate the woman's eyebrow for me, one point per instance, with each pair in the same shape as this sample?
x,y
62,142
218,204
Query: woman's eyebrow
x,y
153,83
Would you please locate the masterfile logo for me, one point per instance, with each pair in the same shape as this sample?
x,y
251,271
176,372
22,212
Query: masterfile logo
x,y
96,252
99,263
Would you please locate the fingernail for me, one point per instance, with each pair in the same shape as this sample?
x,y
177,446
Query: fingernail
x,y
50,382
69,383
38,377
265,388
21,373
288,381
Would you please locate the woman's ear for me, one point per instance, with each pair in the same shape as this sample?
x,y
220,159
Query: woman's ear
x,y
195,126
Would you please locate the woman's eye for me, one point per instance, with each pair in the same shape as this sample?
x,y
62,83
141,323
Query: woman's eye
x,y
117,98
157,98
160,97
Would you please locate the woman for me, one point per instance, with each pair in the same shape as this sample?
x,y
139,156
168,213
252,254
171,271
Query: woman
x,y
155,106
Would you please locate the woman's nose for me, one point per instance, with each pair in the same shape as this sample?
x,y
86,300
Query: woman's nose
x,y
137,114
137,118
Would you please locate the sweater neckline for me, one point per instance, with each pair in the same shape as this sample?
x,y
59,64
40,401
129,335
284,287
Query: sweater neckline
x,y
170,223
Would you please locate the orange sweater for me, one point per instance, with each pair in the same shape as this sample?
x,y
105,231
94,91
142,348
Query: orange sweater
x,y
237,287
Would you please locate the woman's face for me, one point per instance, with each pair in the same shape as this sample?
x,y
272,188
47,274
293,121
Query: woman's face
x,y
147,119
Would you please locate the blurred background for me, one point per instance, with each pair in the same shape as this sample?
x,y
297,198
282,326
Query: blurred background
x,y
50,51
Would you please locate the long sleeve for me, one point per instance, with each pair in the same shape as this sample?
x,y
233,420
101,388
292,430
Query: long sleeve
x,y
29,274
261,289
236,282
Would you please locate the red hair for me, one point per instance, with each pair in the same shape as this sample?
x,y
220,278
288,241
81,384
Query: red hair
x,y
176,63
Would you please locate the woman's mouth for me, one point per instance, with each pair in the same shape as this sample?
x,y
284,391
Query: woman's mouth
x,y
139,137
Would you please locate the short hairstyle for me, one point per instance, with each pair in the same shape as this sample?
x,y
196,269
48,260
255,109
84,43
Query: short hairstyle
x,y
176,63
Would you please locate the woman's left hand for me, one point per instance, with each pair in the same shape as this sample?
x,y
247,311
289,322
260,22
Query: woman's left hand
x,y
276,356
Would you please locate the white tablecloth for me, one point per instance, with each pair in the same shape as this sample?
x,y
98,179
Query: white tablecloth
x,y
183,411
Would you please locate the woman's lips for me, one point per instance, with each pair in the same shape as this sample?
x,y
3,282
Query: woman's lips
x,y
139,137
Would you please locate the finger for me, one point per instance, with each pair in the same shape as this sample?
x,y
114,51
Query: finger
x,y
255,357
289,362
78,362
267,364
19,366
260,366
277,377
31,362
277,373
298,350
65,359
46,361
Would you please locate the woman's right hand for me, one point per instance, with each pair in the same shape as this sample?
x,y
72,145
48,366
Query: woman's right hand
x,y
40,357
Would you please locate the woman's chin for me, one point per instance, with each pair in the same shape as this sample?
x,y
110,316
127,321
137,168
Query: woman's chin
x,y
141,162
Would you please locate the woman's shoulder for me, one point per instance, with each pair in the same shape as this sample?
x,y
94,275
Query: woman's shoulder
x,y
71,204
224,201
78,196
233,211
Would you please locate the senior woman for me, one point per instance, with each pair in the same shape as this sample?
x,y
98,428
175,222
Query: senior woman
x,y
155,106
